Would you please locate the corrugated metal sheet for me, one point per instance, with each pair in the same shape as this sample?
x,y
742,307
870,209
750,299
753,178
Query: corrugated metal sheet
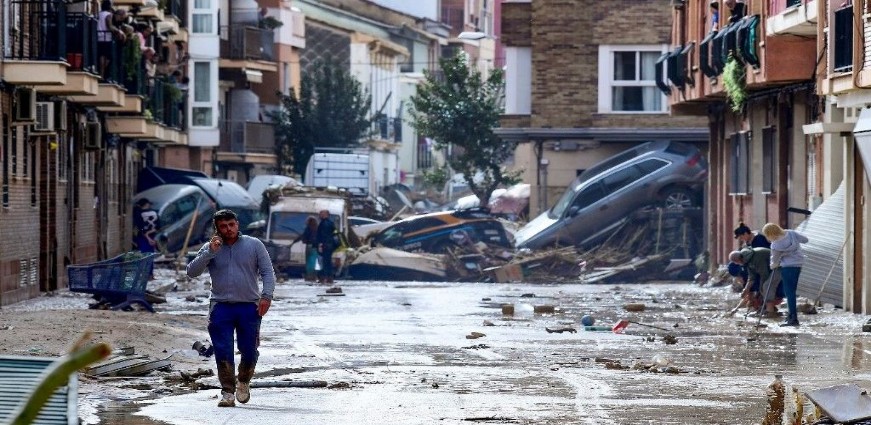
x,y
824,263
19,375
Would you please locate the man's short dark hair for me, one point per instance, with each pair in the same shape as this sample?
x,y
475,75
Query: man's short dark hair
x,y
224,215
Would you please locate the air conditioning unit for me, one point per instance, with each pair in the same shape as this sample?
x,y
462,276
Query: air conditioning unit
x,y
60,115
45,118
25,105
92,135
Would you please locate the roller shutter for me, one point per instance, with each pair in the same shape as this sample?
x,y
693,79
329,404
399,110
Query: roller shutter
x,y
822,276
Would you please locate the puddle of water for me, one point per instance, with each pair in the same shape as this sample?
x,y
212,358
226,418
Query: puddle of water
x,y
124,413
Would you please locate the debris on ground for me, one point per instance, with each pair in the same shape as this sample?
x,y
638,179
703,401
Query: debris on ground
x,y
127,364
204,348
475,335
561,330
655,244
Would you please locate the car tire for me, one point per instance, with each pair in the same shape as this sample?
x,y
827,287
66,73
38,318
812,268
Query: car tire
x,y
674,198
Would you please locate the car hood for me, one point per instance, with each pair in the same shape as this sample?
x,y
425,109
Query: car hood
x,y
533,228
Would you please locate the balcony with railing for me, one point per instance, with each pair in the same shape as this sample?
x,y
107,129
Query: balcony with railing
x,y
693,71
387,128
247,43
80,33
841,73
792,17
37,50
166,103
247,137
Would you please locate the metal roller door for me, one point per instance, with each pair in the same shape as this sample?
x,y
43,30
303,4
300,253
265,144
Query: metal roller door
x,y
822,276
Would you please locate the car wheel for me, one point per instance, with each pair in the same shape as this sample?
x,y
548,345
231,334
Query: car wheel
x,y
676,198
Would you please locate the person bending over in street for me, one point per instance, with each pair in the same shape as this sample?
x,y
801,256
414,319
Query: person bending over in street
x,y
326,241
757,262
236,304
787,254
746,238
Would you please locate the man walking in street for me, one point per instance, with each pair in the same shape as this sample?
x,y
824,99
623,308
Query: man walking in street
x,y
236,304
326,242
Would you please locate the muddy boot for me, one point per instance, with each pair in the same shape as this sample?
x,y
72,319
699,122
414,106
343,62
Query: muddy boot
x,y
227,378
243,391
791,320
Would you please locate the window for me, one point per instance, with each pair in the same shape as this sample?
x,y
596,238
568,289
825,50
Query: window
x,y
627,79
769,159
740,163
203,17
649,166
201,109
589,196
620,179
843,40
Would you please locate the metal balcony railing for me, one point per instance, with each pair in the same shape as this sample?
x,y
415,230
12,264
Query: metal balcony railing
x,y
424,155
248,137
81,37
386,128
166,101
38,30
248,43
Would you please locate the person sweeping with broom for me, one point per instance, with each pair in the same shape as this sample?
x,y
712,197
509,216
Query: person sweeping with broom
x,y
786,253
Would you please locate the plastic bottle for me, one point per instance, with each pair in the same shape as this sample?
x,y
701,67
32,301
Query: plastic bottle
x,y
775,393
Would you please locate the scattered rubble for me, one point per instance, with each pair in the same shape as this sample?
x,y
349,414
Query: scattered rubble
x,y
475,335
561,330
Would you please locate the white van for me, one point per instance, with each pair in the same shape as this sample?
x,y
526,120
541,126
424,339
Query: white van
x,y
286,221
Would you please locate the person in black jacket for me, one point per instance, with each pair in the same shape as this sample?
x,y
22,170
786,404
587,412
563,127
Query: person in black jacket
x,y
326,242
309,238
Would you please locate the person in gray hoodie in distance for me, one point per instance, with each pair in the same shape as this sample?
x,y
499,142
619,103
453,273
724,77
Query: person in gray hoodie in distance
x,y
787,254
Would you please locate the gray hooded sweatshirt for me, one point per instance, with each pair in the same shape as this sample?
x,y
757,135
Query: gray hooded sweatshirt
x,y
786,251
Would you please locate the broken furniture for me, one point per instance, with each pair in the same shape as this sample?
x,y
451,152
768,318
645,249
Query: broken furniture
x,y
121,279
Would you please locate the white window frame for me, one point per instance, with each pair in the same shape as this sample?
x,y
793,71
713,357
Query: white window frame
x,y
195,12
210,103
606,75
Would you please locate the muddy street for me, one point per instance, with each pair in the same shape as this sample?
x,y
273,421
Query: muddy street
x,y
405,353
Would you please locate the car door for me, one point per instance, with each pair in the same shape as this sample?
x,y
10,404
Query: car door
x,y
583,216
626,190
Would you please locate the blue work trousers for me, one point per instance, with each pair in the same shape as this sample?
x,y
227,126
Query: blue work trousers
x,y
789,282
241,318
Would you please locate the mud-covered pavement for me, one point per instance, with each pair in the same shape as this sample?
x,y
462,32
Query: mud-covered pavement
x,y
402,350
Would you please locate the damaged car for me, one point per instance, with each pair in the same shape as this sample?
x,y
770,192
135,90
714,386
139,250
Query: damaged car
x,y
437,232
662,174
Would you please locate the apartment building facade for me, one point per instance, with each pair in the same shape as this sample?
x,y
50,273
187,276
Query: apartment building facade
x,y
580,87
77,123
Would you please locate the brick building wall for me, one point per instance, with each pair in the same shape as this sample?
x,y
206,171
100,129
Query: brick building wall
x,y
565,39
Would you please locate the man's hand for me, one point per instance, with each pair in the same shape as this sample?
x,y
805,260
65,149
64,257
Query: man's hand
x,y
263,306
215,243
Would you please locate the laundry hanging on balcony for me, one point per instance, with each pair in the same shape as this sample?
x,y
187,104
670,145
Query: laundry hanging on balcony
x,y
659,74
746,37
708,67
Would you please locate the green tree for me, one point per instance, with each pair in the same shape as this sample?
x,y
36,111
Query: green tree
x,y
331,110
459,109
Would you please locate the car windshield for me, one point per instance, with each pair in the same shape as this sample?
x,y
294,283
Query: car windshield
x,y
290,224
560,207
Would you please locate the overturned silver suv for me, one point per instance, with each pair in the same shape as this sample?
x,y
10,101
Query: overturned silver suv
x,y
659,174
